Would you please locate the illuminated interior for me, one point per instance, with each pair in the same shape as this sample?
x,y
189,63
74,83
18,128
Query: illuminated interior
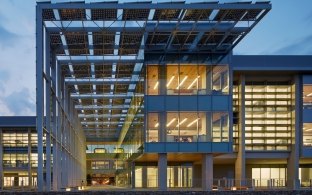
x,y
307,134
191,79
189,127
307,96
265,176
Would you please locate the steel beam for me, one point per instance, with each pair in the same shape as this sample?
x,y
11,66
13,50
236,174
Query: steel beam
x,y
106,5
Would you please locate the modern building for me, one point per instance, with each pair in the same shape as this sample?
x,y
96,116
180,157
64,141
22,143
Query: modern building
x,y
149,95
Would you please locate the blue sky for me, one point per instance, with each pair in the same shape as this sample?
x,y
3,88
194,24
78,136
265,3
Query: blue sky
x,y
286,30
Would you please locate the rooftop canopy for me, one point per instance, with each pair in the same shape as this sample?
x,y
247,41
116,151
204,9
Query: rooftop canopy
x,y
102,47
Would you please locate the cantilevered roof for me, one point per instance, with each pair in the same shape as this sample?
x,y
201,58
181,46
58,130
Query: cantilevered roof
x,y
101,46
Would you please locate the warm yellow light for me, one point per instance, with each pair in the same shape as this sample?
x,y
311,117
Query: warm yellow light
x,y
310,94
67,189
157,124
182,122
193,82
182,82
194,121
308,130
171,122
156,85
170,81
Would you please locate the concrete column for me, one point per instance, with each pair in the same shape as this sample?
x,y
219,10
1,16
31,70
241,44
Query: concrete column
x,y
133,175
240,165
162,171
293,160
144,177
1,160
29,159
207,171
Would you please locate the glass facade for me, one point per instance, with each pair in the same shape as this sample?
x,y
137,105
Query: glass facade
x,y
187,79
307,96
269,115
188,127
266,176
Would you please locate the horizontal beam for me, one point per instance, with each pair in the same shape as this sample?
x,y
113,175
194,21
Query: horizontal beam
x,y
97,59
140,27
100,81
103,96
106,115
96,107
169,5
105,123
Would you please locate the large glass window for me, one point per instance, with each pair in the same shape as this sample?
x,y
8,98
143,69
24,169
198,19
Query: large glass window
x,y
100,164
307,134
265,176
307,96
188,127
187,79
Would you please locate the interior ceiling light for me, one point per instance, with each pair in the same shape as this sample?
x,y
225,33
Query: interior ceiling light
x,y
171,122
193,82
308,130
194,121
157,124
156,85
182,122
182,82
170,81
310,94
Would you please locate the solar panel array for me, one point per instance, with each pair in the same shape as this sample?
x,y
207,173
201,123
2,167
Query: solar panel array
x,y
180,29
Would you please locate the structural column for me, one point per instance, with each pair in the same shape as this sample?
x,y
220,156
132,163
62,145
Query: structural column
x,y
1,160
144,177
162,171
293,160
29,159
207,172
132,175
39,94
240,164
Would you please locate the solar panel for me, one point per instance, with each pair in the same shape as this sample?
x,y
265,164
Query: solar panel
x,y
82,71
103,14
167,14
252,14
230,15
72,14
85,88
197,14
48,14
135,14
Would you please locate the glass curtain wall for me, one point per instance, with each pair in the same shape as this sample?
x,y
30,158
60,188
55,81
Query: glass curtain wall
x,y
265,176
189,127
187,79
268,115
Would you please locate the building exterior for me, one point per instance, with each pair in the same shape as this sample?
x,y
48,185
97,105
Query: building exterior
x,y
149,95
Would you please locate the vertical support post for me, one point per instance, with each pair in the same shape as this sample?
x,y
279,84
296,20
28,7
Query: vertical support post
x,y
293,160
132,175
162,133
39,93
54,124
240,164
29,159
162,171
207,172
1,160
144,177
48,111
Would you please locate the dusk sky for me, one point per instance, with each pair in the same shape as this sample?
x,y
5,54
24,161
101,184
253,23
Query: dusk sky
x,y
286,30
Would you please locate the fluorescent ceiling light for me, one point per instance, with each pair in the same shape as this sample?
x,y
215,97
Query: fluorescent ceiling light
x,y
182,122
156,85
170,81
182,82
157,124
171,122
310,94
308,130
193,82
194,121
